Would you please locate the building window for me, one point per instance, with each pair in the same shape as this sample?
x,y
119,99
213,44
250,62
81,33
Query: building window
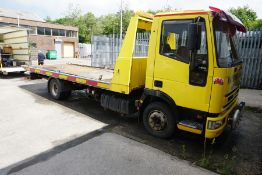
x,y
69,33
61,32
40,30
25,26
33,30
48,31
55,32
58,32
74,34
5,24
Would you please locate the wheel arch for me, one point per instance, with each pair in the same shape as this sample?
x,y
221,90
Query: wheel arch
x,y
150,96
65,86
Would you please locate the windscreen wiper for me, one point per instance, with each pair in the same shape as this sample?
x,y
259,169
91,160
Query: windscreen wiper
x,y
236,63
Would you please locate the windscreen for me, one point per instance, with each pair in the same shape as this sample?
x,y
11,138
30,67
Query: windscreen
x,y
225,37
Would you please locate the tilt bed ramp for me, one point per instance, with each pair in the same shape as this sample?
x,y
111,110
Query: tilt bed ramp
x,y
128,75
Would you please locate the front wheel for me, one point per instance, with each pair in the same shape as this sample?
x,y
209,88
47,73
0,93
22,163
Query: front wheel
x,y
159,120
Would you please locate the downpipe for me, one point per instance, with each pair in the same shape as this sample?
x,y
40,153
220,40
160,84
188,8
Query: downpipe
x,y
234,120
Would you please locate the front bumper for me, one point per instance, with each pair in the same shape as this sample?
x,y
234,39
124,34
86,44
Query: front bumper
x,y
231,117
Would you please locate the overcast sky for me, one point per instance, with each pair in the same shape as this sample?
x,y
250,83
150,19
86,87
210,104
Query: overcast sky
x,y
56,8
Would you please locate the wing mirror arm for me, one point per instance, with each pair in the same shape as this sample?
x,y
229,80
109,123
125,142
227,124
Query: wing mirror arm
x,y
194,41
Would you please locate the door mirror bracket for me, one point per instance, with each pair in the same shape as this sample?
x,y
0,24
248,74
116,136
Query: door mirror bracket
x,y
194,41
194,36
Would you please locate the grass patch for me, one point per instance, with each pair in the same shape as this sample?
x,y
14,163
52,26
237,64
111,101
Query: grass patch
x,y
224,165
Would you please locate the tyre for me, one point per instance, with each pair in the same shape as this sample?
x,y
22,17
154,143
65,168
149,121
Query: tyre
x,y
159,120
58,89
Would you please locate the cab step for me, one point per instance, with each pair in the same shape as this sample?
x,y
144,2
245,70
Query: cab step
x,y
190,126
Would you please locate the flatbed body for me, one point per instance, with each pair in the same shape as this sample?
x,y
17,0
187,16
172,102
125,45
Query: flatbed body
x,y
91,76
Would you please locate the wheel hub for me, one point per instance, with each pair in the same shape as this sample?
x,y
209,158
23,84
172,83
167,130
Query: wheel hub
x,y
55,89
157,120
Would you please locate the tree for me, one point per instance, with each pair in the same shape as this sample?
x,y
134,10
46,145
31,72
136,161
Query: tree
x,y
70,16
245,14
127,14
48,19
257,24
111,23
87,26
165,9
73,11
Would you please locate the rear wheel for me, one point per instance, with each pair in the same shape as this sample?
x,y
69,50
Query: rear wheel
x,y
158,120
58,89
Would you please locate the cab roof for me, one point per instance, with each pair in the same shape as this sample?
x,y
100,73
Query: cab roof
x,y
182,12
222,15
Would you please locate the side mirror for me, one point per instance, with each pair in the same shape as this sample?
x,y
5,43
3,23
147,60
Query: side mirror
x,y
194,36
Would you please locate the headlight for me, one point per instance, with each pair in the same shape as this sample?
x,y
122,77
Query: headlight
x,y
215,124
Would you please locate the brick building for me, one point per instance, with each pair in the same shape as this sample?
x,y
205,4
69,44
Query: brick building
x,y
43,35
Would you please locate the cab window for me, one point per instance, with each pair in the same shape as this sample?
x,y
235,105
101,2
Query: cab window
x,y
174,39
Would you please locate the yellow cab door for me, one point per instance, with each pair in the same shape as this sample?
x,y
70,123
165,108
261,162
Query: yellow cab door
x,y
172,74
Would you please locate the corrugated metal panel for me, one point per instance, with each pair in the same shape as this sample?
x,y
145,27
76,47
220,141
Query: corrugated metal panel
x,y
85,50
105,50
250,51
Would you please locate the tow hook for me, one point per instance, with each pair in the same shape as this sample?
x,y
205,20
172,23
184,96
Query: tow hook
x,y
234,120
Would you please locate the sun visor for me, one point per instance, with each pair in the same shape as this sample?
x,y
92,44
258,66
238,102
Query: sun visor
x,y
230,18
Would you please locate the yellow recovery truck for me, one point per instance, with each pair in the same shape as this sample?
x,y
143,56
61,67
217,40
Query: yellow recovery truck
x,y
189,81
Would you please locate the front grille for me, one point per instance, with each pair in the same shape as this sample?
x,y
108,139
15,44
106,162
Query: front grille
x,y
232,92
231,97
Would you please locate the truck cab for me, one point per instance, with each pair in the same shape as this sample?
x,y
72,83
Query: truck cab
x,y
193,68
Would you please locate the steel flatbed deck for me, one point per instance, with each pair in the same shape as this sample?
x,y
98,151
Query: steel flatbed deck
x,y
96,77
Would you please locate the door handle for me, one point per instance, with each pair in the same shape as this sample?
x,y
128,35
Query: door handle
x,y
158,83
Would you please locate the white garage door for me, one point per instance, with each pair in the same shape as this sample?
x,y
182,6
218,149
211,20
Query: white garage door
x,y
69,50
58,48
